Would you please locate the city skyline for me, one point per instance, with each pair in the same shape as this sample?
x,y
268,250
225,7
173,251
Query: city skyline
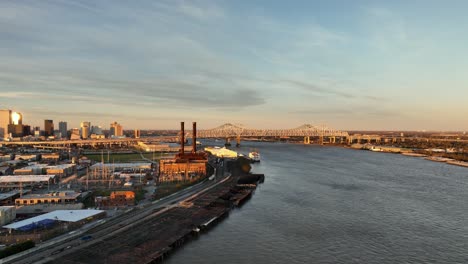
x,y
370,65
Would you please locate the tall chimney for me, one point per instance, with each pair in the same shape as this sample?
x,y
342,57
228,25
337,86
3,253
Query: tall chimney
x,y
194,138
182,138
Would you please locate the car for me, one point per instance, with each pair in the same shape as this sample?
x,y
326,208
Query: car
x,y
88,237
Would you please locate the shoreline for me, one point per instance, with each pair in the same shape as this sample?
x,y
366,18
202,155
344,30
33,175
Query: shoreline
x,y
161,235
417,155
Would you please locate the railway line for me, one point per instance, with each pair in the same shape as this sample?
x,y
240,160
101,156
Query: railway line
x,y
75,240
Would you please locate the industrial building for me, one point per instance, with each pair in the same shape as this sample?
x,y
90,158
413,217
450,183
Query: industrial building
x,y
116,199
49,198
52,157
6,170
8,198
61,170
27,180
49,219
122,166
153,147
36,169
6,157
185,166
7,214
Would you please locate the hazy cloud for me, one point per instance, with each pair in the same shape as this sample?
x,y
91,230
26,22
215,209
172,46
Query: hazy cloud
x,y
216,60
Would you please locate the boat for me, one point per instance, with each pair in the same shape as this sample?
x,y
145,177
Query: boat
x,y
254,156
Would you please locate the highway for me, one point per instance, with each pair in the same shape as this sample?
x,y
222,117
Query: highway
x,y
74,240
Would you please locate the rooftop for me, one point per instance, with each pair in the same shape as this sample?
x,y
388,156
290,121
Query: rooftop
x,y
58,215
138,165
6,208
68,195
7,195
26,178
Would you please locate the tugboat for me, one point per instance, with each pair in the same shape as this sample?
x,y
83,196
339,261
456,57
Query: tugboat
x,y
254,156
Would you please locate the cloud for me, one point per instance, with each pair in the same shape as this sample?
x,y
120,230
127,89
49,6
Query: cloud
x,y
352,111
319,90
201,11
12,94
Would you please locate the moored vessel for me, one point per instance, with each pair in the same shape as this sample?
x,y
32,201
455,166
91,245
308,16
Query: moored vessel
x,y
254,156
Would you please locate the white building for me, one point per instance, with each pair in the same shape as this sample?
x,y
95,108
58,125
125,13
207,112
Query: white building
x,y
221,152
7,214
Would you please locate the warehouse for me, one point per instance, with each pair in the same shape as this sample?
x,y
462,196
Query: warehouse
x,y
49,219
27,180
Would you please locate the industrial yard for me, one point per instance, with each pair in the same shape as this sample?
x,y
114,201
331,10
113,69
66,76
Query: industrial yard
x,y
53,195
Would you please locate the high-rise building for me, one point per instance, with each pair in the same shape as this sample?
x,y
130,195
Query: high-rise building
x,y
137,133
19,130
48,128
16,118
116,129
97,130
74,134
63,129
85,129
5,120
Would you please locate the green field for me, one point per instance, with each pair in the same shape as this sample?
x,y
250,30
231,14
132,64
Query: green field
x,y
125,157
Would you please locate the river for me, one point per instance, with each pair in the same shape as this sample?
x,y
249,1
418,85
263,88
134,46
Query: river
x,y
335,205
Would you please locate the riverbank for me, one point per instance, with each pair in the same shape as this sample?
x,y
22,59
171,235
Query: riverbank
x,y
410,153
155,239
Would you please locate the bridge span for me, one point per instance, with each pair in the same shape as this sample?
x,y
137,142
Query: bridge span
x,y
229,131
90,142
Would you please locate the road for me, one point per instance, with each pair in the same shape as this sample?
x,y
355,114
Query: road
x,y
75,240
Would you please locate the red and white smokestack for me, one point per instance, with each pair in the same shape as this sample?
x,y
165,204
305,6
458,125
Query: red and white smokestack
x,y
182,138
194,138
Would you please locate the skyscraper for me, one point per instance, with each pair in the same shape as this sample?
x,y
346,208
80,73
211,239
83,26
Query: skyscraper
x,y
137,133
63,129
5,120
85,129
116,129
48,128
16,118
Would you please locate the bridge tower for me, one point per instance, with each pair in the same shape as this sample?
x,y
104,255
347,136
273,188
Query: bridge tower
x,y
238,140
307,140
228,142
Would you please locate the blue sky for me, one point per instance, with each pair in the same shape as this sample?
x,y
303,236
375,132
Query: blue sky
x,y
150,64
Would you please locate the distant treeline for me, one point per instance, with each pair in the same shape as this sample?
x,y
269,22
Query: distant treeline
x,y
17,248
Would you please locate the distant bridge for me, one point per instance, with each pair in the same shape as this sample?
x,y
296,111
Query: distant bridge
x,y
237,131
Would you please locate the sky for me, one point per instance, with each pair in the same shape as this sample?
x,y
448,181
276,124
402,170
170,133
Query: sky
x,y
351,65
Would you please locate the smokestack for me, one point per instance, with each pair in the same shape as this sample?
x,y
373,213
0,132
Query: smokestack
x,y
194,138
182,138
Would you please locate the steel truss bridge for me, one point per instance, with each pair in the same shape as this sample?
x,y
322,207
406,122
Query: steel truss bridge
x,y
234,130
